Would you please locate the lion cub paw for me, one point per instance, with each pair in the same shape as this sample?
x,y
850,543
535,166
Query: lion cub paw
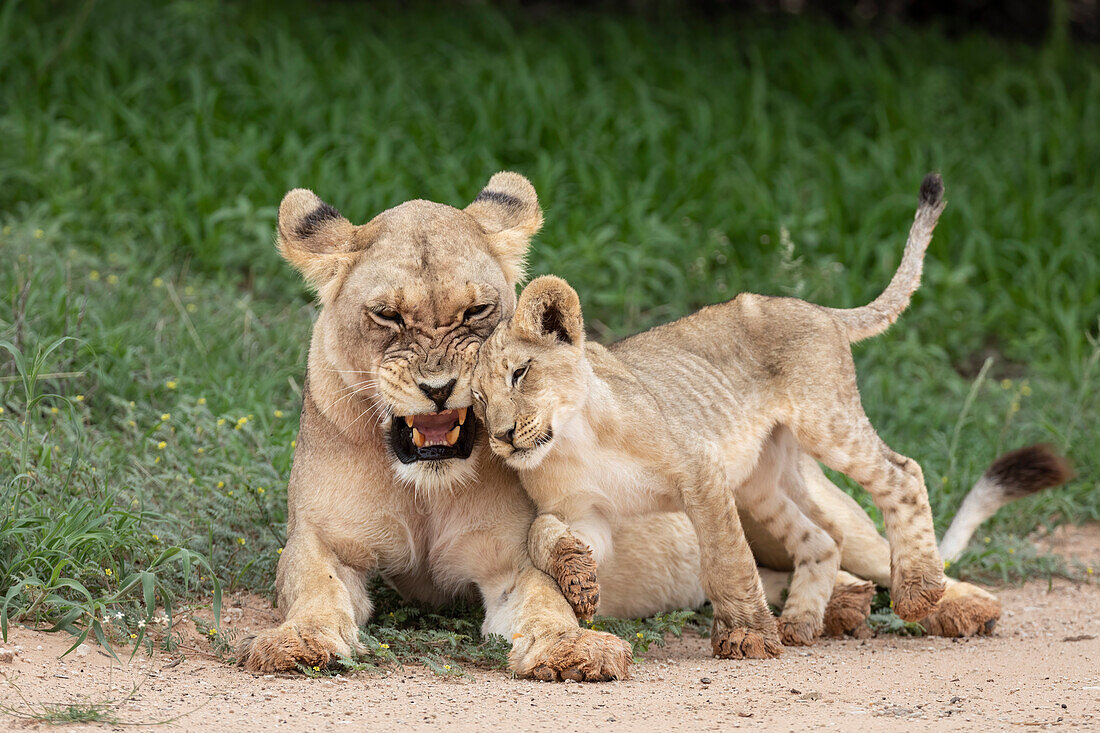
x,y
574,569
849,608
743,643
915,594
285,647
581,655
797,631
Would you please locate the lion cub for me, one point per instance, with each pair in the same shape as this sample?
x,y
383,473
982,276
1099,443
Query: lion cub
x,y
683,415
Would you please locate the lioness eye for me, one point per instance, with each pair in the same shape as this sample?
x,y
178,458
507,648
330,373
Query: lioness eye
x,y
388,316
475,311
518,374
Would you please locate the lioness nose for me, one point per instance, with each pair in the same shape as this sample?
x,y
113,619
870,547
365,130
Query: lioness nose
x,y
438,395
507,436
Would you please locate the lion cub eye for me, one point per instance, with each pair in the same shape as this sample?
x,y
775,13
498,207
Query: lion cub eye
x,y
387,317
518,374
476,311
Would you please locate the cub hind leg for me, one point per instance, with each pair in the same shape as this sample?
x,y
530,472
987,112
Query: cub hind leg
x,y
773,495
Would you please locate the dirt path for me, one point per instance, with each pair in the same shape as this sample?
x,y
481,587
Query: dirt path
x,y
1042,668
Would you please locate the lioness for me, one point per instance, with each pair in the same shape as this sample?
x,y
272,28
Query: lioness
x,y
439,521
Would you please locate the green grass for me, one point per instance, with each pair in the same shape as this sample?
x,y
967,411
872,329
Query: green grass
x,y
144,150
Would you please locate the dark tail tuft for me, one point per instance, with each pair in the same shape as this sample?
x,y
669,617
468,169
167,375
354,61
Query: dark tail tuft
x,y
1028,470
931,190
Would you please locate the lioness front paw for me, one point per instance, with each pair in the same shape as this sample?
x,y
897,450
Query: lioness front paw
x,y
574,569
580,655
915,592
285,647
848,608
964,610
743,643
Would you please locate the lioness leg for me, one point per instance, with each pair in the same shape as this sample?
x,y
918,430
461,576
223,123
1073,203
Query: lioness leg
x,y
325,603
527,607
771,495
743,625
556,551
846,442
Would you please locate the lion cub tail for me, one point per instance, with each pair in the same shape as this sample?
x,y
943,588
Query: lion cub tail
x,y
1013,476
876,317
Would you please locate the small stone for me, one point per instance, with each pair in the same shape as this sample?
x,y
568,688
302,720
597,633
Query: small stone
x,y
7,655
705,680
82,650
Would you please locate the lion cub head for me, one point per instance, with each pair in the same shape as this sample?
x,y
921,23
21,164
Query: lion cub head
x,y
532,375
407,299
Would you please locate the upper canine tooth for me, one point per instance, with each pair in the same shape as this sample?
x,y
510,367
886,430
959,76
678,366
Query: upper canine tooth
x,y
409,420
418,438
452,435
462,415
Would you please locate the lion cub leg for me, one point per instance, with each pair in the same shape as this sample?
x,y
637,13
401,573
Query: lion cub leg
x,y
770,496
556,551
845,441
744,627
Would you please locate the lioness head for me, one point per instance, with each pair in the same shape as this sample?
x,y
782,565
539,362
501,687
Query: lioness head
x,y
407,300
532,374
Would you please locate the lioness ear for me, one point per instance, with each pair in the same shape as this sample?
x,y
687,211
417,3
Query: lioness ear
x,y
508,210
548,307
314,238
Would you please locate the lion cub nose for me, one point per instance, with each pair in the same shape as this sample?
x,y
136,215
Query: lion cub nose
x,y
507,436
438,395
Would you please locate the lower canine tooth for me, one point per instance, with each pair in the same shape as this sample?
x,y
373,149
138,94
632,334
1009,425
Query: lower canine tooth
x,y
418,438
452,435
462,415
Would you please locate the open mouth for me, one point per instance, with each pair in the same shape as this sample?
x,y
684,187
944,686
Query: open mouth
x,y
434,436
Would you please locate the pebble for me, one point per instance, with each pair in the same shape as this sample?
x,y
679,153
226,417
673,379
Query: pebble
x,y
705,680
82,650
7,655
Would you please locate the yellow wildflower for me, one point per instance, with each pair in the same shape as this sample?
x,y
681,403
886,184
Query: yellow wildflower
x,y
260,490
54,410
1088,570
171,384
79,398
221,421
316,668
1,410
189,290
221,484
384,646
93,275
133,636
108,572
191,307
1025,389
294,444
987,540
132,423
157,282
230,494
280,552
1006,384
212,632
162,445
38,234
639,635
165,416
156,460
1012,551
156,538
202,400
112,279
278,413
200,451
446,666
241,541
946,564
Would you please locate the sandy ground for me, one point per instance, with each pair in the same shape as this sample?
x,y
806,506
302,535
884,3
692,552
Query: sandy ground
x,y
1041,668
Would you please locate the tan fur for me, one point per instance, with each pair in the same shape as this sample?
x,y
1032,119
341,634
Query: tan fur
x,y
682,416
353,509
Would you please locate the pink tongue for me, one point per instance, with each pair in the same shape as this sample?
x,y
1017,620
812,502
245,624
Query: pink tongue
x,y
435,427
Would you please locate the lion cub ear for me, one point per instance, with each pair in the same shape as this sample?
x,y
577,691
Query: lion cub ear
x,y
315,239
508,210
549,308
